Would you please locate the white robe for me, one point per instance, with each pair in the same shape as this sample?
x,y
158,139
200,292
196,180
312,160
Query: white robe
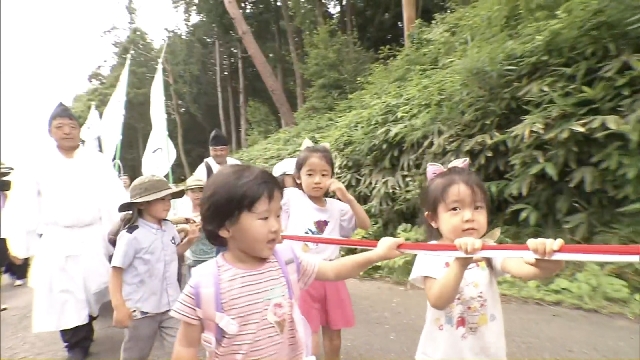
x,y
73,204
201,170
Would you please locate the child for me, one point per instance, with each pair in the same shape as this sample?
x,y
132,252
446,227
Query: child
x,y
144,268
252,314
325,305
284,171
201,251
464,315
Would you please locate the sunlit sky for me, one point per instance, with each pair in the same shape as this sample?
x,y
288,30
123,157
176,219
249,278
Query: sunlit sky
x,y
48,50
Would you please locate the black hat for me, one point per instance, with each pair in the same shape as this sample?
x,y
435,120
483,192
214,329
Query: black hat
x,y
217,138
62,111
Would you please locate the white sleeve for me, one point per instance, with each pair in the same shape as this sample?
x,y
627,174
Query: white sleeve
x,y
428,266
21,215
201,172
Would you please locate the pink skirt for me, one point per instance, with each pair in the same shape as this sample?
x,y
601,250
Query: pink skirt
x,y
327,304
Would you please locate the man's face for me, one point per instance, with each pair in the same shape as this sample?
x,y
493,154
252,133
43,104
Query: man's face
x,y
66,133
219,154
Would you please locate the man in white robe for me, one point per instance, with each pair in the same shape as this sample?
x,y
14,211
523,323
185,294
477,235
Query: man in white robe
x,y
69,196
219,156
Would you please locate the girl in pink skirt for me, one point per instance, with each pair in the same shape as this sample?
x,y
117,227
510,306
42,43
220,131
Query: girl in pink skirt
x,y
306,211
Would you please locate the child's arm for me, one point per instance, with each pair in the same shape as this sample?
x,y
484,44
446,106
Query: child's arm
x,y
123,256
532,269
192,235
187,342
443,291
362,219
351,266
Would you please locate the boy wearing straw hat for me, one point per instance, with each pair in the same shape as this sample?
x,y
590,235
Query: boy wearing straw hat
x,y
144,268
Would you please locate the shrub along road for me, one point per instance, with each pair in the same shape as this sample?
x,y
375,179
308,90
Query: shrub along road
x,y
389,319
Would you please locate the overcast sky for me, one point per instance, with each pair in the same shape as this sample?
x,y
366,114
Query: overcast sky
x,y
49,47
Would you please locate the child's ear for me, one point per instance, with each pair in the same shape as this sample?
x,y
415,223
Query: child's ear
x,y
297,178
224,232
431,219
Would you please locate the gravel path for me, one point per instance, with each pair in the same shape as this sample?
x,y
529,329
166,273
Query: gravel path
x,y
389,321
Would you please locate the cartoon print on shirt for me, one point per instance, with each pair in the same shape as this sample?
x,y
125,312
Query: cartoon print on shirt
x,y
469,309
319,226
277,313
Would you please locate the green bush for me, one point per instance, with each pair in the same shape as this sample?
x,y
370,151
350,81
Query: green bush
x,y
543,96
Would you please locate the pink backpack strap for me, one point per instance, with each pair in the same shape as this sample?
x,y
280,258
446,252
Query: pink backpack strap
x,y
290,265
209,305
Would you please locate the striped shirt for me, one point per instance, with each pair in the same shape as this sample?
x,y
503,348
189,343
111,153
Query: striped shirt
x,y
246,296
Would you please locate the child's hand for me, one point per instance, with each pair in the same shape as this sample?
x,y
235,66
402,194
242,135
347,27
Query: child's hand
x,y
469,246
341,192
122,317
545,248
388,248
193,232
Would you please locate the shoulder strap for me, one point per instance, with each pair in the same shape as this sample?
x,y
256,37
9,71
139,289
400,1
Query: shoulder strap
x,y
208,168
290,265
208,300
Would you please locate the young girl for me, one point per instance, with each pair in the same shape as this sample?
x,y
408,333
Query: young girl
x,y
284,170
254,315
144,268
464,315
326,305
201,251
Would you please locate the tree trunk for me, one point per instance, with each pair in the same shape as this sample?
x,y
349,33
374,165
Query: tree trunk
x,y
409,10
270,81
320,9
176,114
278,54
232,113
244,124
348,18
223,126
294,54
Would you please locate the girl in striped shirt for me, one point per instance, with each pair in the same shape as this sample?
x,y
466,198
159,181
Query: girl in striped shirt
x,y
241,209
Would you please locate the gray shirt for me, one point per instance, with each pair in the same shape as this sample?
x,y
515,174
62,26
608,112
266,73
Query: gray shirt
x,y
147,254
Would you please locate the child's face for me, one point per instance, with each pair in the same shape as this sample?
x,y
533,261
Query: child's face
x,y
314,177
289,181
463,213
195,195
256,232
156,210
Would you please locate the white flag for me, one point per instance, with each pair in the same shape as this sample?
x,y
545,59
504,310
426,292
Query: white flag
x,y
113,115
160,153
90,131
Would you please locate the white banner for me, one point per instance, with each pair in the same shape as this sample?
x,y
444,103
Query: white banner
x,y
113,115
160,153
90,131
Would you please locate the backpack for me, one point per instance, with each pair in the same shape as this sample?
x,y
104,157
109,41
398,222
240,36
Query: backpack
x,y
215,322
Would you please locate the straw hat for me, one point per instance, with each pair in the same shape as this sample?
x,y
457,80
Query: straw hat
x,y
148,188
194,182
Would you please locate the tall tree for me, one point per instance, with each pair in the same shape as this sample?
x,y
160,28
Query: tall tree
x,y
297,67
259,60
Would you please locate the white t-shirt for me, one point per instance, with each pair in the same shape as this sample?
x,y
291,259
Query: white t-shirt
x,y
300,216
201,170
472,327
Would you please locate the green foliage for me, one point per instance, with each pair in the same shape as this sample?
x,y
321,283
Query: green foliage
x,y
334,66
542,96
262,122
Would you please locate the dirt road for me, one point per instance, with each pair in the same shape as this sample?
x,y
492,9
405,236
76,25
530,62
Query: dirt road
x,y
389,321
